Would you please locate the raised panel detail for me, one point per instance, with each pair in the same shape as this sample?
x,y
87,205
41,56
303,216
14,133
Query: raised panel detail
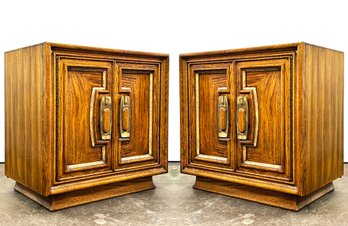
x,y
138,96
210,97
83,148
63,143
286,123
264,145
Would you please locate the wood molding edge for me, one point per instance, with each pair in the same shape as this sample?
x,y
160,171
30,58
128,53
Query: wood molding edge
x,y
268,197
79,197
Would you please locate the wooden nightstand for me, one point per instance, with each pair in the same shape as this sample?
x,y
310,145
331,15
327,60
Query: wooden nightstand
x,y
265,123
84,124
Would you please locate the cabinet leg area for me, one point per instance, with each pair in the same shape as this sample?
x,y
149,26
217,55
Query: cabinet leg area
x,y
273,198
74,198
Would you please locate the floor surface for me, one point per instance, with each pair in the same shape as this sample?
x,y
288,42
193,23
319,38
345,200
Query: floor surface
x,y
173,202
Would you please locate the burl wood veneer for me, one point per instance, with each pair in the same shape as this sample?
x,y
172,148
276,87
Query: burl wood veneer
x,y
84,124
263,124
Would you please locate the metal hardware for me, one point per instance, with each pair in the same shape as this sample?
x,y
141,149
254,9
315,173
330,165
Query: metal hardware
x,y
105,117
125,115
242,117
223,116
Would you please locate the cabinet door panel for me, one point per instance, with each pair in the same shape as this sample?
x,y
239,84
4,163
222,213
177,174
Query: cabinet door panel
x,y
210,115
83,88
264,89
138,116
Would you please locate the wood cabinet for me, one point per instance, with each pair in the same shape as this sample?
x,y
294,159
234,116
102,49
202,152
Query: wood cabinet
x,y
84,124
263,124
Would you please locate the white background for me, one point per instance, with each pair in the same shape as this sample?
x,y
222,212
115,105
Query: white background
x,y
173,27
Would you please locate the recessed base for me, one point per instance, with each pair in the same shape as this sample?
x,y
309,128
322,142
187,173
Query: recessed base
x,y
273,198
74,198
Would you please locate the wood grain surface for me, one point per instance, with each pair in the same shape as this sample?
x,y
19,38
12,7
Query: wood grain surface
x,y
293,133
322,117
25,127
56,130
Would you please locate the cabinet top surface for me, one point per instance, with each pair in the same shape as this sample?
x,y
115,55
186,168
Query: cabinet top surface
x,y
289,46
53,45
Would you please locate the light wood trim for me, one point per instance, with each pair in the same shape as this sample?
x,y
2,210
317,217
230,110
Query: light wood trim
x,y
258,164
88,165
197,113
95,91
212,158
150,113
252,91
137,158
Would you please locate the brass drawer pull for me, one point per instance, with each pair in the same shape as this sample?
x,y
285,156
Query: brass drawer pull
x,y
125,113
223,116
125,120
106,121
222,121
105,117
242,117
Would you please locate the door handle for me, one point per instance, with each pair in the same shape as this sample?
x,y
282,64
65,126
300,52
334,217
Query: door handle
x,y
105,117
242,117
124,114
223,116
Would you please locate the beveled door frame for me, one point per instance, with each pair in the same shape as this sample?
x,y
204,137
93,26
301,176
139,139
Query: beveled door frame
x,y
285,63
104,165
152,158
196,158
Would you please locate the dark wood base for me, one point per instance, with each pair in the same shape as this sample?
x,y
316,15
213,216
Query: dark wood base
x,y
273,198
74,198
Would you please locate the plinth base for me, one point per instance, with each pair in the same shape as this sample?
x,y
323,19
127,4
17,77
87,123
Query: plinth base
x,y
273,198
74,198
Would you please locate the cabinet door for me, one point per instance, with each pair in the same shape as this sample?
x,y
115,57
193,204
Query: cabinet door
x,y
137,137
84,117
212,135
263,117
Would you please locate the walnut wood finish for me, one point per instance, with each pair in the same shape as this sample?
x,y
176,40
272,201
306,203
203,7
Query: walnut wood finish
x,y
286,118
62,117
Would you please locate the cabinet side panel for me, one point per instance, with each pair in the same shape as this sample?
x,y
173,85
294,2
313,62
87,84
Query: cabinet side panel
x,y
24,103
323,116
164,113
184,124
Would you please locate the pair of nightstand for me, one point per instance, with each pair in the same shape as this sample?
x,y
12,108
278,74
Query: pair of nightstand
x,y
263,124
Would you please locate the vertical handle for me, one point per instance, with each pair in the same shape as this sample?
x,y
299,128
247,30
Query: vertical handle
x,y
125,112
105,118
242,117
223,116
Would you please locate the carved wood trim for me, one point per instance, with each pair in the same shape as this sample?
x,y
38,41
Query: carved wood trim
x,y
127,90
